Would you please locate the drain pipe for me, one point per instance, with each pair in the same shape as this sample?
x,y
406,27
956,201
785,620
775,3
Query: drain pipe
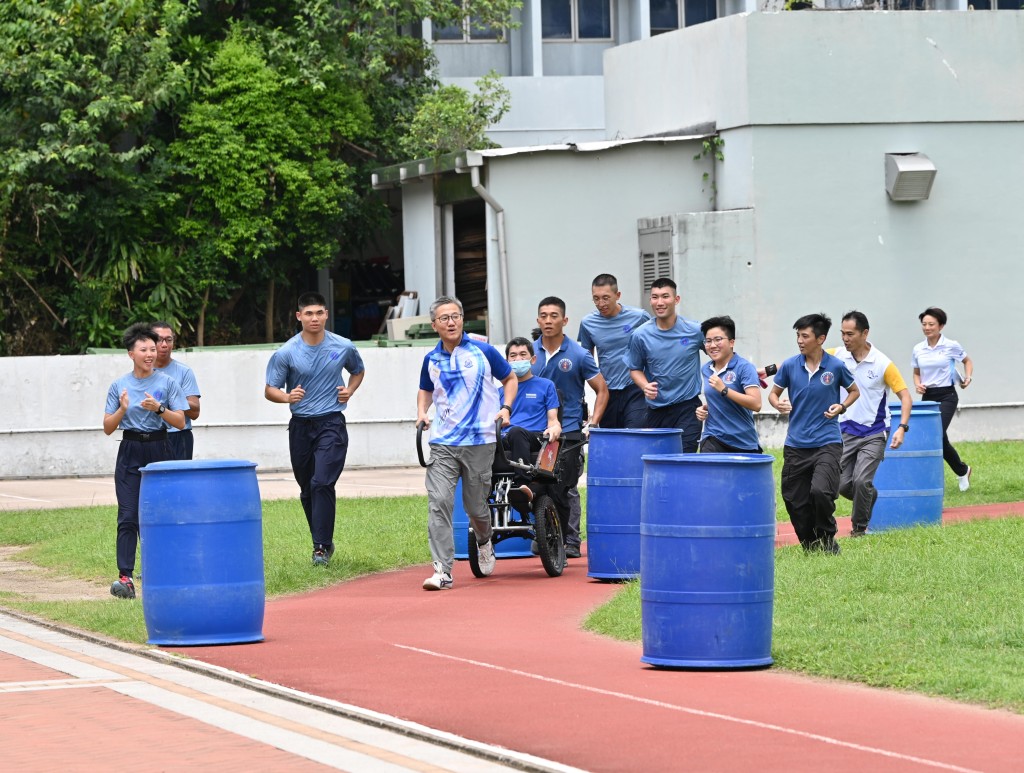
x,y
499,214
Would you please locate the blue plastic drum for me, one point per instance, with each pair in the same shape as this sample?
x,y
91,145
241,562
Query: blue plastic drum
x,y
201,525
615,476
707,560
910,479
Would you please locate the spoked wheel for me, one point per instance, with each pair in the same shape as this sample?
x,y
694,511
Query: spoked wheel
x,y
474,556
550,545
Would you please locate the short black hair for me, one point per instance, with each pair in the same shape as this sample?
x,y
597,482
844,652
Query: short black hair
x,y
161,323
140,331
725,323
664,281
552,300
519,341
933,311
859,318
311,299
605,280
819,323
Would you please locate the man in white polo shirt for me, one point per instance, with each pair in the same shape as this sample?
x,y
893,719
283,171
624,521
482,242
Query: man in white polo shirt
x,y
865,425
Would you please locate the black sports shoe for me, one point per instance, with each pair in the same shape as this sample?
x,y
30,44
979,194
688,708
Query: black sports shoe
x,y
572,551
123,587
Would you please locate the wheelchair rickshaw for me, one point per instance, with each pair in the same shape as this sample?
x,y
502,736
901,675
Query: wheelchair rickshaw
x,y
513,514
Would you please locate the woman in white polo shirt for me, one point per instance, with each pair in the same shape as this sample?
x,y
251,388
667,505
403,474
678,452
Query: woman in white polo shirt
x,y
935,377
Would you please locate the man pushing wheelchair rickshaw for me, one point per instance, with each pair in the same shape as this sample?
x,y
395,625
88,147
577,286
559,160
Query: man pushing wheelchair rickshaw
x,y
519,492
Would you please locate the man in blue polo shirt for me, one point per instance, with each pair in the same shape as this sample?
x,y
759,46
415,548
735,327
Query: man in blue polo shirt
x,y
664,362
732,391
306,374
605,333
534,411
458,379
814,444
570,367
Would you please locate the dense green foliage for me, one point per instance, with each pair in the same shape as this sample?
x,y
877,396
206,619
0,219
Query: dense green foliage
x,y
191,159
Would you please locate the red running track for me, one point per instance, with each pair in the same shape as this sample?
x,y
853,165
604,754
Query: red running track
x,y
503,661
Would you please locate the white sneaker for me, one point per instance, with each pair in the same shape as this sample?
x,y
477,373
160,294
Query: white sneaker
x,y
485,557
965,480
440,579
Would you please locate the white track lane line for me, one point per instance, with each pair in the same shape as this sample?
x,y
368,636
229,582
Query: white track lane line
x,y
698,712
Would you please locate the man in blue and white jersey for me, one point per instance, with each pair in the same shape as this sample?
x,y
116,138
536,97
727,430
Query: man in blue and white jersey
x,y
534,411
567,364
732,391
306,374
865,425
182,442
458,378
664,362
814,445
142,404
605,333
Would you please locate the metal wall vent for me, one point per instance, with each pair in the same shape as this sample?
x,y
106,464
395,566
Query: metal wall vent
x,y
908,176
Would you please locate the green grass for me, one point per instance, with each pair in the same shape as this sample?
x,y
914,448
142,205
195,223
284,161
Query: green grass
x,y
372,535
935,610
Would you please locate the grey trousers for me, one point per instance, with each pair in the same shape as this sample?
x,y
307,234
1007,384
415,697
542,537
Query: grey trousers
x,y
448,464
860,460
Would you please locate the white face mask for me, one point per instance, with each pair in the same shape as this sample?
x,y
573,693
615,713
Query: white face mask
x,y
520,367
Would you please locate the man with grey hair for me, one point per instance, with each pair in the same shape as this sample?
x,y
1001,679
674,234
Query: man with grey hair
x,y
458,377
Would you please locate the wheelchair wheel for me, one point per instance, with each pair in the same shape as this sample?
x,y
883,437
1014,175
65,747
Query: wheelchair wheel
x,y
474,556
550,545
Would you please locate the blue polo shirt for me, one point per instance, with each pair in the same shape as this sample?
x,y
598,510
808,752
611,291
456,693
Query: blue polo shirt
x,y
186,379
464,393
536,396
159,385
569,368
317,369
609,336
728,422
810,395
670,357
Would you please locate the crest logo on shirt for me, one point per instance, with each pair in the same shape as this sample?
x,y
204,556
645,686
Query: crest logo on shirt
x,y
565,364
627,328
334,355
871,375
827,377
685,342
467,363
729,378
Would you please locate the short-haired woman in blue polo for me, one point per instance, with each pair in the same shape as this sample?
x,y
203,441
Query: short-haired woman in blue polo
x,y
935,379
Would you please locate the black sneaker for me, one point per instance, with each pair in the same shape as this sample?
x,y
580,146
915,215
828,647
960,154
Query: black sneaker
x,y
572,551
858,532
123,587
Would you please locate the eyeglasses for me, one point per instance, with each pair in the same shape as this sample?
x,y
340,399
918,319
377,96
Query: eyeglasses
x,y
166,340
444,319
714,341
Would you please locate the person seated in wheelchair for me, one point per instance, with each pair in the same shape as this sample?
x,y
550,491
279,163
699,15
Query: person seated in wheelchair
x,y
534,416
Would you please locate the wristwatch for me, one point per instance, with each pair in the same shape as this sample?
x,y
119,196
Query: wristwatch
x,y
161,409
724,391
905,428
506,408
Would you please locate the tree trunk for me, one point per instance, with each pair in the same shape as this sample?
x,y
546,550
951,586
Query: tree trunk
x,y
268,321
201,327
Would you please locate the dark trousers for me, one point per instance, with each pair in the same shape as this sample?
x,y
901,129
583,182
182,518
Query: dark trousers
x,y
712,445
181,444
679,416
132,455
810,485
948,400
521,445
626,409
318,447
572,464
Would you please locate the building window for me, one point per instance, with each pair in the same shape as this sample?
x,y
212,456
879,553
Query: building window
x,y
576,19
468,30
664,16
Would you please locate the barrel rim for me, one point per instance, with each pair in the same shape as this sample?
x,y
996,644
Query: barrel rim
x,y
172,465
708,458
637,431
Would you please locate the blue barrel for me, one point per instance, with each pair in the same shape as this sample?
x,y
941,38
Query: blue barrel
x,y
201,525
512,547
615,476
707,560
910,478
